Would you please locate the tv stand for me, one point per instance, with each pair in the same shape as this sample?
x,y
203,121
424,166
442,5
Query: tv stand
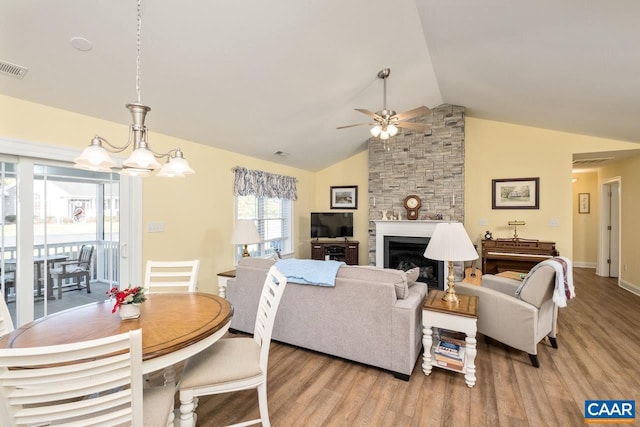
x,y
336,250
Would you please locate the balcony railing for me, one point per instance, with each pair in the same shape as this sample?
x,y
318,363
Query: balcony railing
x,y
105,264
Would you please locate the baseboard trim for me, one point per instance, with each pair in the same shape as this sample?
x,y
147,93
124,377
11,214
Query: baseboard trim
x,y
635,289
585,264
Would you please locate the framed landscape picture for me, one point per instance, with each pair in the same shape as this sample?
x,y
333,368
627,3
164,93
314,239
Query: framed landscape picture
x,y
515,193
345,197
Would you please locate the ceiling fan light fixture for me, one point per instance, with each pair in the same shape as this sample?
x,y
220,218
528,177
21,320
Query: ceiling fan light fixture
x,y
375,131
384,135
393,130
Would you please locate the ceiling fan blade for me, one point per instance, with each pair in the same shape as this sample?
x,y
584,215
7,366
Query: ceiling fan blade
x,y
420,111
419,127
368,113
357,124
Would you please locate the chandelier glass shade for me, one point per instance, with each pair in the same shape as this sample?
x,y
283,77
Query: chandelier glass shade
x,y
143,160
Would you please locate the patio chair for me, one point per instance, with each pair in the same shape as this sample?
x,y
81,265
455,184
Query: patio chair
x,y
75,269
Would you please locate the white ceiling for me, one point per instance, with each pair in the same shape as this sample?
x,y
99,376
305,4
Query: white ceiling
x,y
256,77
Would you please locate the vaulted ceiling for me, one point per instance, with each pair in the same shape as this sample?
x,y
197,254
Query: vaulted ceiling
x,y
257,77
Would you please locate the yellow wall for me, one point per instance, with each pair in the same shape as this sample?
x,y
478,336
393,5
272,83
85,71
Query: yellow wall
x,y
629,172
197,211
503,150
352,171
585,225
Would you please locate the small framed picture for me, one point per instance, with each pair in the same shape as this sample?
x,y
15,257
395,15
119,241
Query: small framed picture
x,y
344,197
584,203
515,193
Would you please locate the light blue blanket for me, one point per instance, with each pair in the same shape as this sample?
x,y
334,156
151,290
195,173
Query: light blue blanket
x,y
309,271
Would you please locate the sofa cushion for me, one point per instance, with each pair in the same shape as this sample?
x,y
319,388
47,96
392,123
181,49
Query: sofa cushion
x,y
262,263
376,274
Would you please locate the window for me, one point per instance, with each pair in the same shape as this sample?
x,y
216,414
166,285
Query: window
x,y
274,222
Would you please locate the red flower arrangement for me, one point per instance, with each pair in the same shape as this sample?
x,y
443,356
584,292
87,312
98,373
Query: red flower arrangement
x,y
127,296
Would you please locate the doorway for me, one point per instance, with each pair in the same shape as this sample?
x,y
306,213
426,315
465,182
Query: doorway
x,y
609,247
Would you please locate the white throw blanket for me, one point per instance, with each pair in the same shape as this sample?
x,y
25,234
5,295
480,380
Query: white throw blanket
x,y
564,289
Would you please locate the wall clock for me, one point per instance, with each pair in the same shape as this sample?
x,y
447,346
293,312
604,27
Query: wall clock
x,y
412,204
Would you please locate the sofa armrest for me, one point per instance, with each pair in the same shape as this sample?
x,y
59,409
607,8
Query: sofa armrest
x,y
501,284
406,338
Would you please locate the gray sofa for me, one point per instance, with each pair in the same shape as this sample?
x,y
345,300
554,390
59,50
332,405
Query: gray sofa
x,y
372,315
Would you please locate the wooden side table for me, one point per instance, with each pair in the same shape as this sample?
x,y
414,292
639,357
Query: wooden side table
x,y
223,278
461,317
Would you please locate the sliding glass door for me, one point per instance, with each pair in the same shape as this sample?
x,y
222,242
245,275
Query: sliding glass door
x,y
49,212
73,209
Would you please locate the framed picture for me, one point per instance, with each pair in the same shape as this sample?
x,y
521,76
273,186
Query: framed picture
x,y
515,193
345,197
584,203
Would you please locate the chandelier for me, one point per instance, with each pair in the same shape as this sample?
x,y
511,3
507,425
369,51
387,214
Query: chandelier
x,y
143,160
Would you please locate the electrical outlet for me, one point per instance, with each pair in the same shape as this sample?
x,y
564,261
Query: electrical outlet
x,y
155,227
483,221
625,267
554,222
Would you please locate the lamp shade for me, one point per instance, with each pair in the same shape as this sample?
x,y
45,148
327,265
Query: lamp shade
x,y
245,233
95,157
450,242
142,158
176,166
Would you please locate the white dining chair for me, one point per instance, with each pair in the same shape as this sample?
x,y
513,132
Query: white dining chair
x,y
97,382
171,276
234,364
6,323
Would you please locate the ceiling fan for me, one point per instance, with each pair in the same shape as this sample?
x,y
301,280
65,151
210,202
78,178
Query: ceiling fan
x,y
386,122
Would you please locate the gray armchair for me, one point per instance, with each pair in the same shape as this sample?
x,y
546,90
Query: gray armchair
x,y
519,321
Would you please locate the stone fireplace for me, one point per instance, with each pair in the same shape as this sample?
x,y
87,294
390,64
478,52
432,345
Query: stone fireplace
x,y
401,244
430,166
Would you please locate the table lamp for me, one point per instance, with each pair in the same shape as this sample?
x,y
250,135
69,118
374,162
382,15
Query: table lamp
x,y
450,242
245,233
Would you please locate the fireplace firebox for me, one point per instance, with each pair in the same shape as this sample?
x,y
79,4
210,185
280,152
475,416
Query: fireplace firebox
x,y
406,252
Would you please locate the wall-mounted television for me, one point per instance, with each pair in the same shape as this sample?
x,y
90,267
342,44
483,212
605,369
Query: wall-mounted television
x,y
331,224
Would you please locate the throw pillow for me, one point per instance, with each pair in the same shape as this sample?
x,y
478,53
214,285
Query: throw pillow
x,y
412,276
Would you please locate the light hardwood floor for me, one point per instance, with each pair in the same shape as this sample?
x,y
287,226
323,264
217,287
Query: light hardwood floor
x,y
598,358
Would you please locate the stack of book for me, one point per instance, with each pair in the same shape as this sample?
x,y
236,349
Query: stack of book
x,y
449,351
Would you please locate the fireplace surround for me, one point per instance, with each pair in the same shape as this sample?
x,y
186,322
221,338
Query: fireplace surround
x,y
407,252
409,236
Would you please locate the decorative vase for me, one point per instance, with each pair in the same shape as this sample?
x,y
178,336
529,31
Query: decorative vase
x,y
129,311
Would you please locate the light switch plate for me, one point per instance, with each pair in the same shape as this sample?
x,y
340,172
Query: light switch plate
x,y
155,227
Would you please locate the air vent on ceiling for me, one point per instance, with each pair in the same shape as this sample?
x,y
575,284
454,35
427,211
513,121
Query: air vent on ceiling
x,y
13,70
591,161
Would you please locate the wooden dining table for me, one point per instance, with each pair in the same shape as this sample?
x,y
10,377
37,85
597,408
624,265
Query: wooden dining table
x,y
175,326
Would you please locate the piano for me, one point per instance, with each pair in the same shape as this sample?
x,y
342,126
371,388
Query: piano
x,y
515,254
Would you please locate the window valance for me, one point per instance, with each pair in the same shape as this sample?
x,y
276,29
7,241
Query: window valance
x,y
250,182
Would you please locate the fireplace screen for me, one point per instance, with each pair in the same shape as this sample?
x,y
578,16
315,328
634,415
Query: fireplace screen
x,y
405,253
